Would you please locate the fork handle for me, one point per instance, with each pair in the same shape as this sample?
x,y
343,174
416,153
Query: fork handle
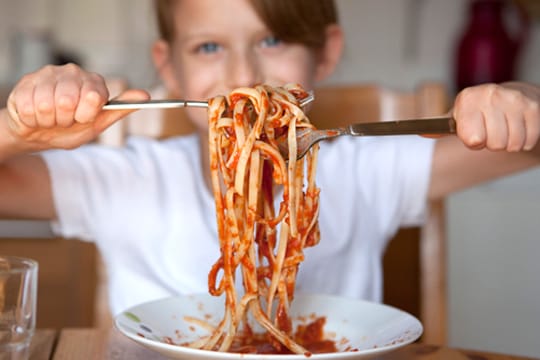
x,y
170,104
425,126
152,104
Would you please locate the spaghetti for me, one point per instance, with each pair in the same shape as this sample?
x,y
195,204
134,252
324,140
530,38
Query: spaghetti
x,y
261,242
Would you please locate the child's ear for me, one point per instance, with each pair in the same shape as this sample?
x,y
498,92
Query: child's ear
x,y
162,57
330,54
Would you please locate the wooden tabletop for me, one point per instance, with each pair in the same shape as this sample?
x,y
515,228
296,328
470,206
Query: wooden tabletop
x,y
82,344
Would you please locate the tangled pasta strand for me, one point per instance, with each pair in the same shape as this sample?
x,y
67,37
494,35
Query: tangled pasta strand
x,y
264,244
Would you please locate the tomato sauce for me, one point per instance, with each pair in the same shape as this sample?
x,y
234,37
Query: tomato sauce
x,y
310,336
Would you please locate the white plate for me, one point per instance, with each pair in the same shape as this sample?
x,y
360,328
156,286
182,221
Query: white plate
x,y
370,328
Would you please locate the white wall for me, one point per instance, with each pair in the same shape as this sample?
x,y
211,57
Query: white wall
x,y
390,45
494,288
112,37
400,43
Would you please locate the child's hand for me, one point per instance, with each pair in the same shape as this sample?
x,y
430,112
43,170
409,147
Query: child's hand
x,y
499,117
61,107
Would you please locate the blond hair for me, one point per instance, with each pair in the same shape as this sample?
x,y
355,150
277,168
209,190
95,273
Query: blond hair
x,y
293,21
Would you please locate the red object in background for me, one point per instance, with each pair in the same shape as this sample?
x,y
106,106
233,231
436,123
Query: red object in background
x,y
486,51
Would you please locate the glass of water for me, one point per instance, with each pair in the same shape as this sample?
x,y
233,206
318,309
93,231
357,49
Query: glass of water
x,y
18,292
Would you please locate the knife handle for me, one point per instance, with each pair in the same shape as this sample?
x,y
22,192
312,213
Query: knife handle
x,y
425,126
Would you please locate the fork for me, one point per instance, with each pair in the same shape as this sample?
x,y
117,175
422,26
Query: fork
x,y
171,104
307,137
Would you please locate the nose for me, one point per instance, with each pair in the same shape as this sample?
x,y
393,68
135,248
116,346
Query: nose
x,y
243,69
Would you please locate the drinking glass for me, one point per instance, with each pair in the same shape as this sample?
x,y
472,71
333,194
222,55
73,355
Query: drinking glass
x,y
18,292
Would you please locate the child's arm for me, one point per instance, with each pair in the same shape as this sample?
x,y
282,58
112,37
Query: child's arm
x,y
56,107
501,123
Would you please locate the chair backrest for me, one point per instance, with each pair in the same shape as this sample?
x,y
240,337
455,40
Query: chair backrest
x,y
415,254
341,105
426,263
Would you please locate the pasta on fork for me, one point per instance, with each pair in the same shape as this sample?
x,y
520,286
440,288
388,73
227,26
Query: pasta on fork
x,y
262,243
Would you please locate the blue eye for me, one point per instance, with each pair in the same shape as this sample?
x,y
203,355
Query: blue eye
x,y
208,48
271,41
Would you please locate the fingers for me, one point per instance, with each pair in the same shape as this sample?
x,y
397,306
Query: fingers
x,y
517,132
57,96
67,93
470,121
497,135
91,98
44,103
21,102
497,118
532,124
109,117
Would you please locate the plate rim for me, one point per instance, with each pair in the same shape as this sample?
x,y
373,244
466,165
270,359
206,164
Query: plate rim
x,y
199,353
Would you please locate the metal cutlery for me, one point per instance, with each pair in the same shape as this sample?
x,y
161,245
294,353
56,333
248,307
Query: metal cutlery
x,y
307,137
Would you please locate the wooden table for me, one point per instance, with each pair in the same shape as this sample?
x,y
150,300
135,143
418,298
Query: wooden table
x,y
82,344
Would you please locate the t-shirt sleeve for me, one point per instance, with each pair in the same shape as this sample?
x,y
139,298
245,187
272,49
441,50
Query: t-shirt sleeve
x,y
394,174
401,169
87,185
413,160
71,173
383,179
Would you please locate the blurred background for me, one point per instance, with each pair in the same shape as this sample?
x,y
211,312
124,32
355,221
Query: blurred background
x,y
391,42
494,241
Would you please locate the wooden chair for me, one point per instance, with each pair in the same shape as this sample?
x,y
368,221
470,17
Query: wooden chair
x,y
66,278
415,261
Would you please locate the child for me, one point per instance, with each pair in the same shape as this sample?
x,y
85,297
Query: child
x,y
148,205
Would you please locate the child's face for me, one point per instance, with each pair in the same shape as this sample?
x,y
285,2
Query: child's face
x,y
222,45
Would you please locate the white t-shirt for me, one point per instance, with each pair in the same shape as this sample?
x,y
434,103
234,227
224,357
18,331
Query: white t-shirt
x,y
147,209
